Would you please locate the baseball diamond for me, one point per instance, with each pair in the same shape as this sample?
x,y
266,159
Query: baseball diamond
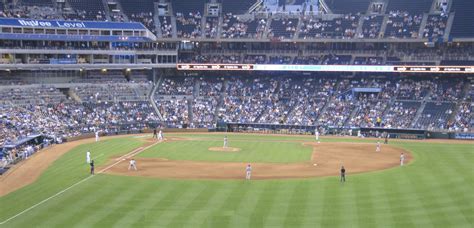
x,y
156,194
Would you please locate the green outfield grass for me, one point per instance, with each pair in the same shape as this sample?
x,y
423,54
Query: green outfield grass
x,y
436,190
251,150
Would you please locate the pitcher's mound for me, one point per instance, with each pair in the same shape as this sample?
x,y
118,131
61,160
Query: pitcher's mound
x,y
226,149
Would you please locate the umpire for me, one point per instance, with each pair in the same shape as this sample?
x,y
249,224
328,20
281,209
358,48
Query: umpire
x,y
343,174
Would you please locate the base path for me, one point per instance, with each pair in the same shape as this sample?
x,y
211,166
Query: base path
x,y
224,149
326,160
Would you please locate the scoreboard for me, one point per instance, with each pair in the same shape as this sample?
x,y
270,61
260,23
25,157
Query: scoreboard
x,y
326,68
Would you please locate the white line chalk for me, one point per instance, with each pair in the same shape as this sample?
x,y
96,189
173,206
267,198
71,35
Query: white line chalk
x,y
128,155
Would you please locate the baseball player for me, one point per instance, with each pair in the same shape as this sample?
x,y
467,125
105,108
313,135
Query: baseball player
x,y
160,135
402,159
343,174
225,141
133,164
359,134
386,138
155,136
316,134
350,132
248,172
88,157
378,147
92,167
97,136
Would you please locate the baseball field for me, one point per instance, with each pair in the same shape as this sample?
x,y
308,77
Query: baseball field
x,y
189,180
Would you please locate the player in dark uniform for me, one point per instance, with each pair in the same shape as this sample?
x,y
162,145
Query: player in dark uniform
x,y
343,174
92,167
386,138
154,134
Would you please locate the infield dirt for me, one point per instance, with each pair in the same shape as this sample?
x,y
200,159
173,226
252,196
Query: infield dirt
x,y
328,157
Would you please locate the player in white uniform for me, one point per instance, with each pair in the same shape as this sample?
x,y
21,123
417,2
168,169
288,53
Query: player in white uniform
x,y
133,164
378,147
97,136
402,159
359,134
88,157
225,141
350,132
316,134
160,135
248,172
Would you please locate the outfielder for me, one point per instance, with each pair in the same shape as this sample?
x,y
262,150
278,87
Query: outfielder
x,y
225,141
316,134
88,157
378,147
402,159
248,172
133,164
97,136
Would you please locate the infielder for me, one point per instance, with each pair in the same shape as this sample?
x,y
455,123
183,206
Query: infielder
x,y
402,159
225,141
316,134
88,157
133,164
378,147
248,172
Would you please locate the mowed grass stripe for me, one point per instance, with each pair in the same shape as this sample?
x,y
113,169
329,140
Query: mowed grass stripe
x,y
297,205
248,204
180,204
265,203
149,210
80,198
315,203
99,211
277,213
363,198
441,195
66,171
126,204
194,205
139,204
209,207
433,191
229,206
54,210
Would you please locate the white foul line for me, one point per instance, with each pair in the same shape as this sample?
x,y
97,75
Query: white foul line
x,y
131,154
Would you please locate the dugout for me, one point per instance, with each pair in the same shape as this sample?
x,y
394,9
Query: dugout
x,y
395,133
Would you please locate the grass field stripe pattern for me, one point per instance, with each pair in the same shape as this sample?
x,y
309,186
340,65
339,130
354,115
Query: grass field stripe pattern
x,y
133,153
435,190
43,201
